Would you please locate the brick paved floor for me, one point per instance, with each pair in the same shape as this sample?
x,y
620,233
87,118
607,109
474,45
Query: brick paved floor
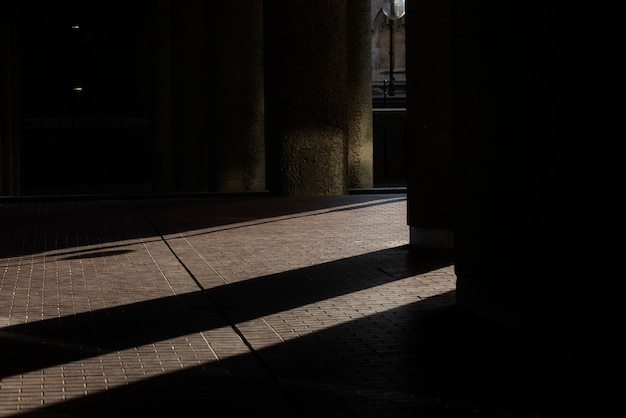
x,y
222,306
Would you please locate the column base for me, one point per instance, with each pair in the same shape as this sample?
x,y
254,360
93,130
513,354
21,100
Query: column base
x,y
431,237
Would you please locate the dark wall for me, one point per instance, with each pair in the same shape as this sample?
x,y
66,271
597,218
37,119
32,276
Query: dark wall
x,y
83,94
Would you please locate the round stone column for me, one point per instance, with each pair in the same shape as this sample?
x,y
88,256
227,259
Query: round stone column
x,y
9,168
430,186
360,117
235,90
307,97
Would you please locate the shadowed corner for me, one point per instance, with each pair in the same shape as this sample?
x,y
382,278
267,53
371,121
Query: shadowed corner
x,y
475,363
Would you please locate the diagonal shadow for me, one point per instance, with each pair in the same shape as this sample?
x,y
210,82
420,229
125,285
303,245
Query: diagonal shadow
x,y
31,227
432,361
97,254
172,217
40,344
102,251
245,223
289,385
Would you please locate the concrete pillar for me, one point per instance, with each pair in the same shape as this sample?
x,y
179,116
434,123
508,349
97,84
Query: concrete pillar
x,y
430,196
519,307
508,129
360,117
9,163
162,160
209,109
190,101
235,90
307,98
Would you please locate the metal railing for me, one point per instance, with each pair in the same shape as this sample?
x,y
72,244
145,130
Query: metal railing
x,y
383,96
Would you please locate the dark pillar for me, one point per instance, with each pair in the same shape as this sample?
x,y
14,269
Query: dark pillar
x,y
163,159
516,328
190,106
429,125
506,130
237,131
9,178
306,96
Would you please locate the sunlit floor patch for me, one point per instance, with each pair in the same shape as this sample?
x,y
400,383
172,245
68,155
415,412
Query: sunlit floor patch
x,y
388,297
95,374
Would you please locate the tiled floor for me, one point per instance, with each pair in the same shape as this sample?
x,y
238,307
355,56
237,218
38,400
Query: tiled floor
x,y
222,306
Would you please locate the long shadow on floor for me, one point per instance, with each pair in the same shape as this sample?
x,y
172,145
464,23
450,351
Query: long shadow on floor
x,y
431,360
425,359
36,226
39,344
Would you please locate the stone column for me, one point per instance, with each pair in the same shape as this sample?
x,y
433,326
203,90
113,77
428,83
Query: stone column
x,y
360,117
9,180
190,106
429,125
162,161
509,131
307,96
235,91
